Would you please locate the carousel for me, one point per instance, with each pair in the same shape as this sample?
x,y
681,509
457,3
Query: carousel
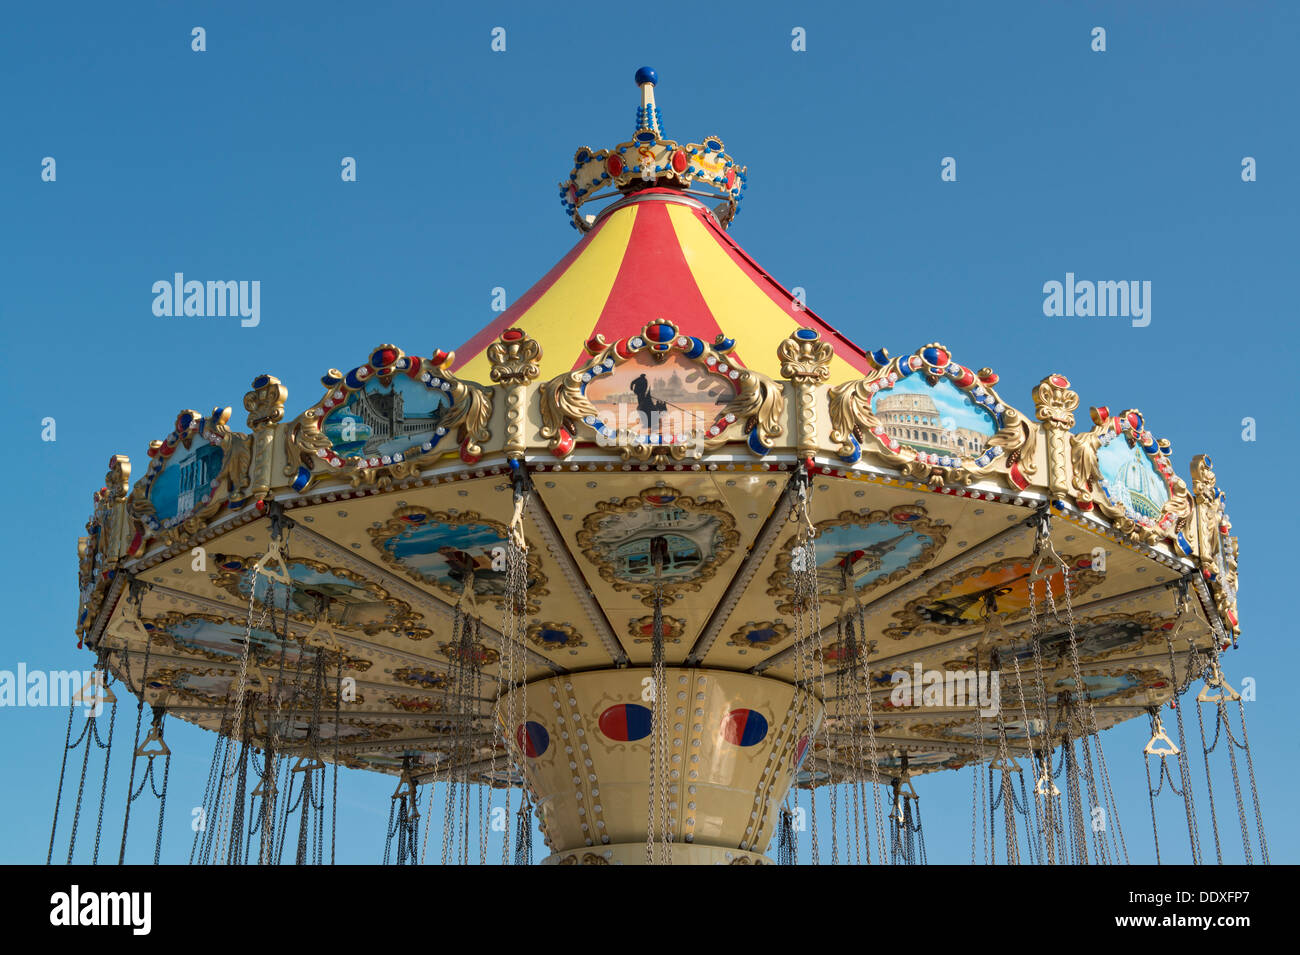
x,y
659,562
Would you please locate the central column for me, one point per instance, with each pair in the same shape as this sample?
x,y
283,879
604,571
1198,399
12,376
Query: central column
x,y
734,743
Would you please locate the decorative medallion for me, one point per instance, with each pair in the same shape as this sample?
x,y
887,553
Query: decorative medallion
x,y
997,588
661,393
945,425
478,656
383,419
416,704
448,550
869,549
1122,471
759,635
187,478
554,636
641,630
616,539
419,676
346,599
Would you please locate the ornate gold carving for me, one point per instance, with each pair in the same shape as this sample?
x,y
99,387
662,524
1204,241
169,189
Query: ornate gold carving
x,y
514,357
805,359
265,402
118,479
1216,548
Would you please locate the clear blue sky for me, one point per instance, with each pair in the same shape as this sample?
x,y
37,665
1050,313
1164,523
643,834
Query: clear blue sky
x,y
225,164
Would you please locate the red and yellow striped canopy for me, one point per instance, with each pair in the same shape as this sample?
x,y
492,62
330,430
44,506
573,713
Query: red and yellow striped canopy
x,y
657,255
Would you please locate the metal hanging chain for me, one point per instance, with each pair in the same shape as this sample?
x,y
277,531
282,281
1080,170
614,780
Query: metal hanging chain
x,y
1209,783
135,595
1044,787
1006,766
512,669
334,785
58,798
238,728
1081,698
807,635
107,678
1254,790
88,733
1184,773
1152,793
1035,829
1114,829
658,835
785,841
207,807
162,796
858,684
1221,640
873,750
524,834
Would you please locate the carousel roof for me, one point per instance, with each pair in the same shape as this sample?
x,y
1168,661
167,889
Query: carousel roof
x,y
658,253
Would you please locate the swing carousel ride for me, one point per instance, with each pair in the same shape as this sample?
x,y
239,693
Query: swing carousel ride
x,y
650,559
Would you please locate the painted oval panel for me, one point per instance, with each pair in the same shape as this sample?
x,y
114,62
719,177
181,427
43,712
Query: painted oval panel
x,y
744,727
532,739
626,722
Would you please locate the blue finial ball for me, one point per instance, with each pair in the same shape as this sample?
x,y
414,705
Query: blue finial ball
x,y
646,75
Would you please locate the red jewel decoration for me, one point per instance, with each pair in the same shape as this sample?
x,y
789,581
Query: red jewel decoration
x,y
614,166
512,335
731,178
679,161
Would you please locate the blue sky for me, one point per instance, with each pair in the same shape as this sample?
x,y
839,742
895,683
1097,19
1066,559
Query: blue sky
x,y
1123,165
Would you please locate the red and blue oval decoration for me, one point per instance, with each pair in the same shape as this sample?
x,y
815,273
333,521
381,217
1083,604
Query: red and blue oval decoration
x,y
532,739
744,727
626,722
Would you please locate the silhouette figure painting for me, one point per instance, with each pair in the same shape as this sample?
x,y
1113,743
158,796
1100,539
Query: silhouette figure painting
x,y
645,402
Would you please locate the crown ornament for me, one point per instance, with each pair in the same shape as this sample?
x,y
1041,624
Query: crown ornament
x,y
650,160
